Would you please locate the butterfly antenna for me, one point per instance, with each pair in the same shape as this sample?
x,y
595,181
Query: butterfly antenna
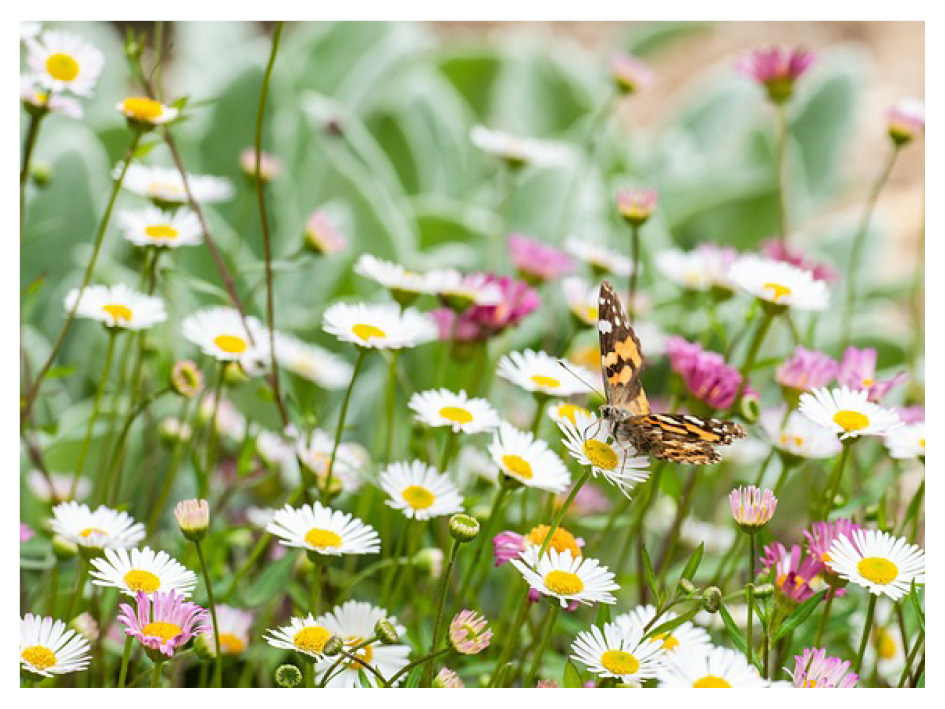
x,y
580,379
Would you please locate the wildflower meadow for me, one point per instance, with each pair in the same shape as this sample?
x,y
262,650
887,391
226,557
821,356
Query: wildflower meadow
x,y
381,354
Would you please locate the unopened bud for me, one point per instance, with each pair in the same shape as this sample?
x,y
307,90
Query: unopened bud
x,y
687,586
333,646
193,518
764,590
386,632
749,407
712,599
204,648
186,379
86,626
463,528
41,173
288,676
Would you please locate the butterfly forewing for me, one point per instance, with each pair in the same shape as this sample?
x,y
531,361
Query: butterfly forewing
x,y
621,356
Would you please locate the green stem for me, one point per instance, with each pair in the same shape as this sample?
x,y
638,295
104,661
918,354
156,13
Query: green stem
x,y
210,459
751,594
390,404
362,352
767,316
96,404
426,658
783,134
823,619
511,637
449,448
218,654
867,627
682,511
156,675
125,658
32,133
171,474
441,601
74,602
314,591
634,272
354,649
483,540
910,659
546,638
836,477
112,491
559,516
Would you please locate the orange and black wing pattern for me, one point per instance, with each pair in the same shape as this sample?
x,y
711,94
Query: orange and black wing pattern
x,y
681,438
620,354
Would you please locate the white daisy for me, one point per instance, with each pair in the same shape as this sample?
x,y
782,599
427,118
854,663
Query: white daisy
x,y
581,298
442,407
60,489
151,226
103,528
561,411
381,326
145,570
48,648
305,635
590,443
165,186
528,460
519,151
541,373
62,61
354,622
234,627
618,651
599,257
40,97
312,362
798,435
681,638
391,275
779,283
142,109
28,30
220,333
117,306
420,491
701,269
566,578
879,562
907,441
324,530
315,454
229,422
710,668
273,448
463,290
847,412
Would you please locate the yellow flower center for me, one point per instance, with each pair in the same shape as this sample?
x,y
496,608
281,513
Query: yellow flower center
x,y
118,312
618,662
922,443
365,654
591,314
517,465
89,531
797,441
562,539
144,109
877,569
62,67
138,580
230,643
321,538
230,343
570,412
162,629
545,382
711,682
39,657
777,291
365,332
161,231
851,420
311,639
418,497
600,454
564,583
669,641
456,414
884,643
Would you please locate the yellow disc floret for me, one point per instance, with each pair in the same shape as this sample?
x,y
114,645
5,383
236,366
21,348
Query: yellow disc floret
x,y
42,658
711,682
311,639
142,108
618,662
418,497
851,421
456,414
322,538
562,539
365,332
231,344
139,580
517,465
564,583
62,67
161,629
877,569
600,454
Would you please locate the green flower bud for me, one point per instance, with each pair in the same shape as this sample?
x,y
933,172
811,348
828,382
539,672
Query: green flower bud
x,y
764,590
686,586
386,632
463,528
712,599
333,646
288,676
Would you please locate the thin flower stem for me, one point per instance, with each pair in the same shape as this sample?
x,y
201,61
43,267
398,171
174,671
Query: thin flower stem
x,y
764,467
920,638
264,223
823,619
212,436
449,448
81,572
511,637
767,316
634,271
314,591
859,240
484,534
156,675
783,134
334,666
96,404
125,658
426,658
867,627
546,638
836,477
441,602
172,467
390,402
33,392
354,658
682,511
751,594
559,516
32,134
362,353
218,653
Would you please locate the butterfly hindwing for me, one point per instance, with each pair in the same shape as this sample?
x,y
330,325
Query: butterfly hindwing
x,y
681,438
621,355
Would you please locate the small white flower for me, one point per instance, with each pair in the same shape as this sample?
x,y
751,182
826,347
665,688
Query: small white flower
x,y
315,454
419,491
61,488
528,459
683,637
779,283
40,97
567,578
273,448
151,226
469,289
379,326
103,528
701,269
710,668
312,362
131,571
164,185
590,443
599,256
847,413
581,298
146,110
62,61
323,530
48,648
540,372
392,276
304,635
516,150
618,651
907,441
798,435
442,407
220,333
234,626
561,411
229,423
117,306
879,562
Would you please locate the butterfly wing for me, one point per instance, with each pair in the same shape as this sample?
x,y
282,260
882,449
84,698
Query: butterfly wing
x,y
681,438
620,355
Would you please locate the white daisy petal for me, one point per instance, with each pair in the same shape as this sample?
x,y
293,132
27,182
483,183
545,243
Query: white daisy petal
x,y
798,435
103,528
619,651
685,636
442,407
220,333
847,412
779,283
528,460
710,668
907,441
48,648
151,226
420,491
589,441
379,326
540,372
164,185
131,571
62,61
320,529
116,306
878,561
566,578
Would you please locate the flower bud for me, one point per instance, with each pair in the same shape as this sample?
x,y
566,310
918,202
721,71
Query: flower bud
x,y
636,204
447,679
193,518
687,586
86,626
386,632
269,165
171,430
288,676
906,120
463,528
41,173
321,237
749,407
186,379
204,648
764,590
712,599
333,646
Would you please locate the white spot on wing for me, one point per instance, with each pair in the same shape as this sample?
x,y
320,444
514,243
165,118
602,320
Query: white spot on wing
x,y
605,326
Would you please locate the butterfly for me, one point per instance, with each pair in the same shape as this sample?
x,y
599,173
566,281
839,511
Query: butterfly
x,y
679,438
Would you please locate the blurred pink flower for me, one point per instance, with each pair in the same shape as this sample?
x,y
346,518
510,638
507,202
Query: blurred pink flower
x,y
546,684
507,545
911,414
905,120
537,261
814,670
480,322
858,371
636,204
794,571
269,165
630,73
706,375
822,535
776,68
26,533
589,500
774,249
322,237
806,369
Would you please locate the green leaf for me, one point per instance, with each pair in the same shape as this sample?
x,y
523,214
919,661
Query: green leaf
x,y
692,566
271,581
571,678
669,625
650,574
917,604
603,614
61,372
799,615
144,148
732,629
413,678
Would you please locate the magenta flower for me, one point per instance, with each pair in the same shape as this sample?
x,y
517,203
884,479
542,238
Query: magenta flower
x,y
776,68
806,369
636,204
706,375
26,533
322,237
163,624
858,372
822,535
814,670
905,120
536,261
794,571
481,322
630,73
507,545
911,414
776,250
469,633
752,507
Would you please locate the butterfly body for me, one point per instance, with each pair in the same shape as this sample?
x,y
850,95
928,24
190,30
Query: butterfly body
x,y
679,438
